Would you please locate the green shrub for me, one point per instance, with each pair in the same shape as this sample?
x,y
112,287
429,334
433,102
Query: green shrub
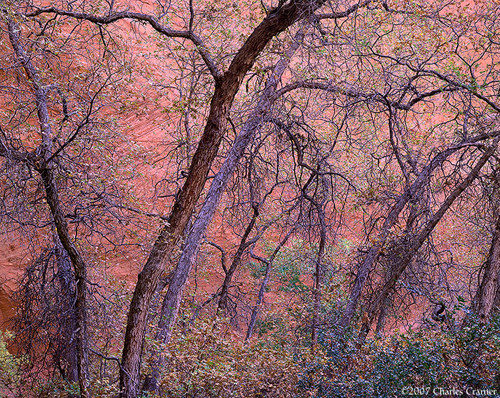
x,y
415,363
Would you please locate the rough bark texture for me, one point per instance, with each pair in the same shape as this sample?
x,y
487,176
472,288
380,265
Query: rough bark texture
x,y
173,296
225,90
172,301
488,290
65,277
379,330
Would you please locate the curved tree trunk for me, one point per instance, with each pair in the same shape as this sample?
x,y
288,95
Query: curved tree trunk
x,y
225,89
172,301
80,277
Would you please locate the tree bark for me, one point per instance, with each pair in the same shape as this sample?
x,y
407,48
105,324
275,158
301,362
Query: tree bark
x,y
406,254
382,318
67,301
366,266
488,290
172,301
80,269
223,97
173,296
44,168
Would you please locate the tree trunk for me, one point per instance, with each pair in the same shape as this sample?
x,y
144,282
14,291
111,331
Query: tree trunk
x,y
67,301
263,285
80,277
260,299
223,297
318,278
366,266
318,271
488,290
382,318
172,301
406,254
223,97
43,167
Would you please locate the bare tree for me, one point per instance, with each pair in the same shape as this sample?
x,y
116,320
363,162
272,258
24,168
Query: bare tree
x,y
405,254
41,160
355,77
267,275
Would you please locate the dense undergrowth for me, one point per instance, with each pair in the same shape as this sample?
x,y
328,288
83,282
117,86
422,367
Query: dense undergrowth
x,y
207,360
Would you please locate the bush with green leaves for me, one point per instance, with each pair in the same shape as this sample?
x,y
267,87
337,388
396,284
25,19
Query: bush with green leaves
x,y
418,361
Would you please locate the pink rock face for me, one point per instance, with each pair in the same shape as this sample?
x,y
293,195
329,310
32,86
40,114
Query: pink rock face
x,y
11,268
6,310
